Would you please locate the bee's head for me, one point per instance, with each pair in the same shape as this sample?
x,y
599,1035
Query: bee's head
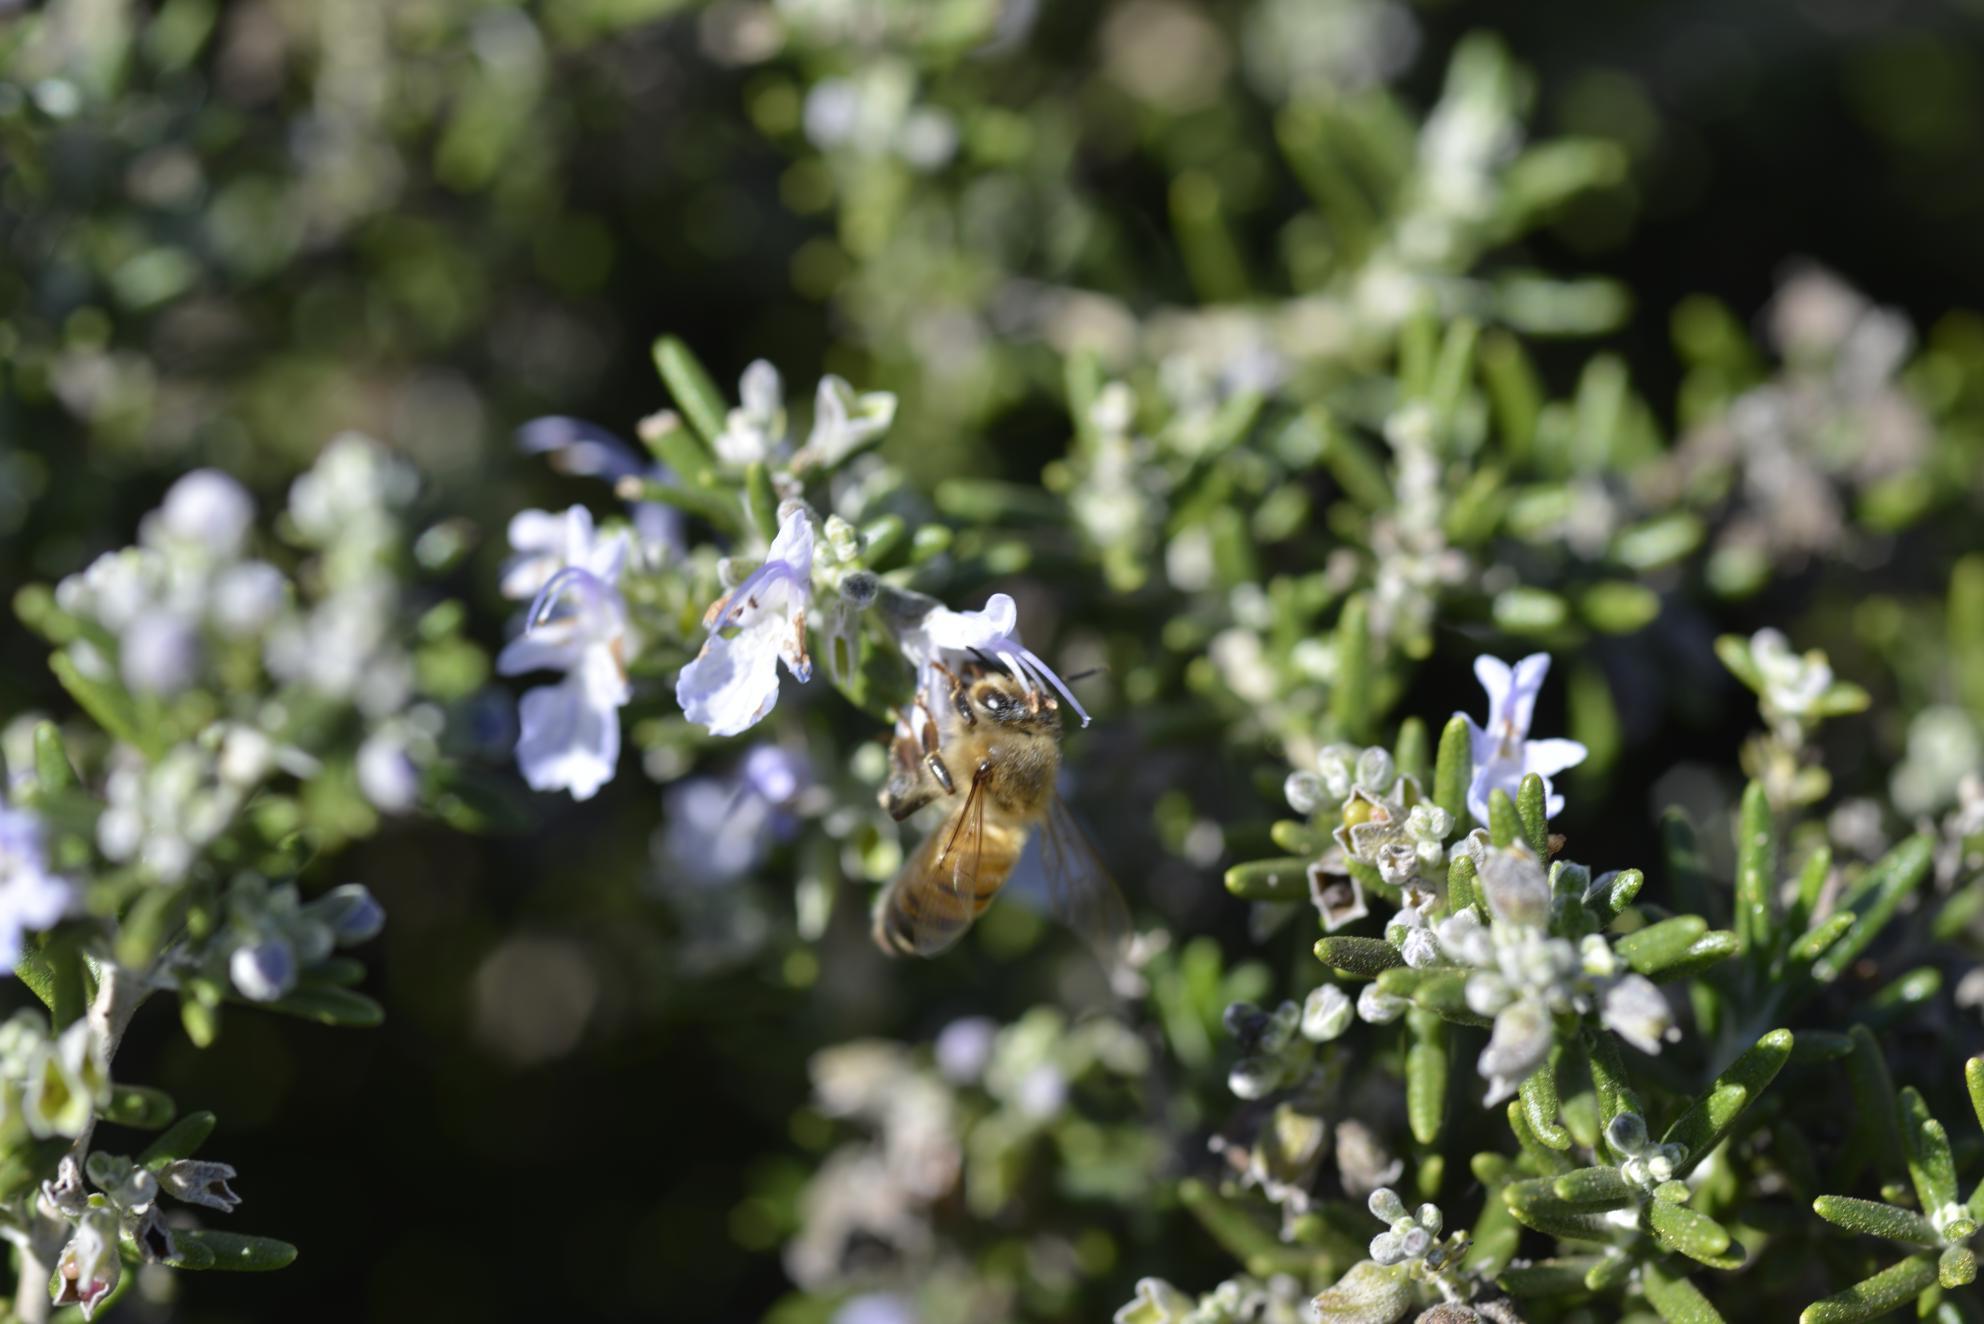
x,y
1005,702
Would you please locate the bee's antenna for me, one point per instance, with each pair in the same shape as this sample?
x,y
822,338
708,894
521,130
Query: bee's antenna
x,y
990,665
1084,674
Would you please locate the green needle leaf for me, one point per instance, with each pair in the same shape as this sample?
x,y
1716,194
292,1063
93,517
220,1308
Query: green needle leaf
x,y
1504,823
1677,1300
1704,1125
1812,944
1426,1072
51,761
330,1005
1608,1077
1539,1100
138,1106
690,386
1453,768
1530,806
1973,1080
1756,866
233,1251
1368,957
1596,1186
1874,1102
1873,903
1873,1297
1689,1231
1270,880
1927,1146
760,500
1658,946
1871,1218
182,1140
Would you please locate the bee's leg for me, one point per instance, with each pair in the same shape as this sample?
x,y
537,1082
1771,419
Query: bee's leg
x,y
935,763
960,702
909,786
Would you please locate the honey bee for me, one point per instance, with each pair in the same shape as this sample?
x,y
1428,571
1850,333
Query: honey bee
x,y
990,752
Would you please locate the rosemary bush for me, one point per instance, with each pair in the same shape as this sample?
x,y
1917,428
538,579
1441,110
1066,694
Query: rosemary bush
x,y
1547,786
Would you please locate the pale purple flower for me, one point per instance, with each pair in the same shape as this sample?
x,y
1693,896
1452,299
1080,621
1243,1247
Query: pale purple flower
x,y
545,542
717,829
1503,753
875,1308
950,636
569,737
588,450
31,898
733,681
578,447
569,733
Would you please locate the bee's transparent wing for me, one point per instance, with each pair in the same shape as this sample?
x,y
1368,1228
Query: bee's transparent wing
x,y
1080,891
964,844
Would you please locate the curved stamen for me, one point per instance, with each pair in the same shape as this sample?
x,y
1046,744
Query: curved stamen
x,y
769,572
1029,670
571,577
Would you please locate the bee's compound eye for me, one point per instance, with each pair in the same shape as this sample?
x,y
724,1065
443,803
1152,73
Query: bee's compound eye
x,y
992,700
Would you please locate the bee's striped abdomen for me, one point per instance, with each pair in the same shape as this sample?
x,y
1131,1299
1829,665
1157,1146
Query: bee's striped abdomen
x,y
930,904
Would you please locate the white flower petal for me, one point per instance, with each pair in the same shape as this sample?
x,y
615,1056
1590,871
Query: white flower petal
x,y
733,682
569,736
1547,758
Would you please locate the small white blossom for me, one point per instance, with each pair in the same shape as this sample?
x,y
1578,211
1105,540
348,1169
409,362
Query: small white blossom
x,y
755,430
205,511
1792,682
1502,751
946,636
199,1182
159,652
86,1273
843,419
1633,1008
733,681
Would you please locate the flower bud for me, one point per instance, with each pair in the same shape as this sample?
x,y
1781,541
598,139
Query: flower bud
x,y
351,913
1385,1205
206,508
1254,1077
1326,1013
858,588
1379,1008
1626,1134
264,971
1304,791
1376,770
1420,948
